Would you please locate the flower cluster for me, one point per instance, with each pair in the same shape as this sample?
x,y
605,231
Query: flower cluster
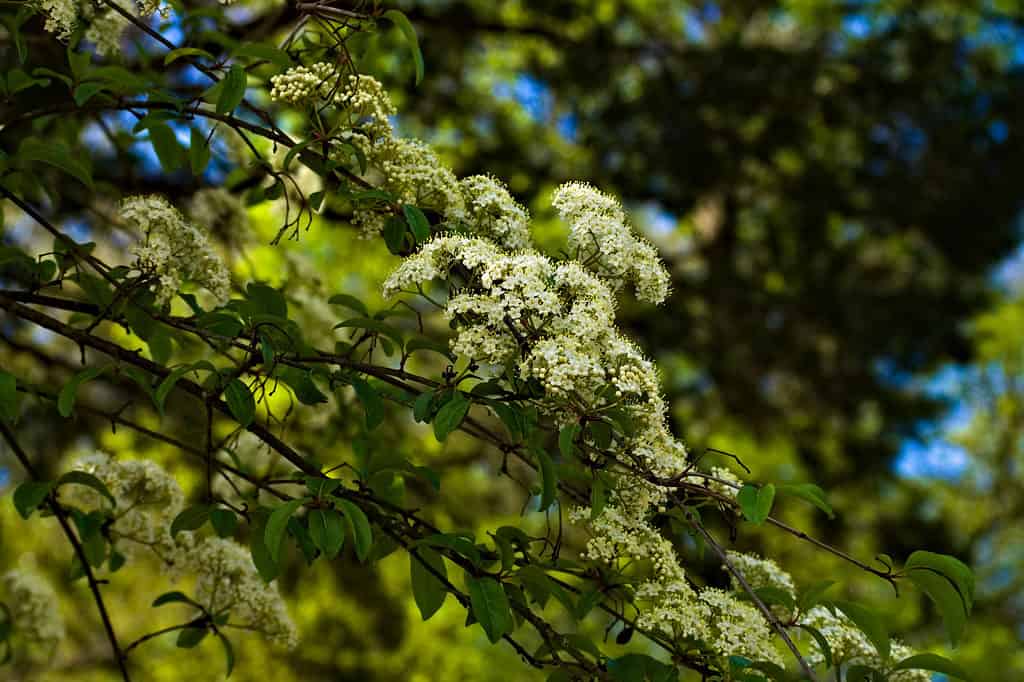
x,y
173,250
148,499
227,581
850,646
105,28
34,612
759,573
61,16
600,237
302,85
491,212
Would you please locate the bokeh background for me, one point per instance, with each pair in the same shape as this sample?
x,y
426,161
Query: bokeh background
x,y
837,188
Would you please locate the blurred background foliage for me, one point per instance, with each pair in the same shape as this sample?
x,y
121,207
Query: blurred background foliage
x,y
836,186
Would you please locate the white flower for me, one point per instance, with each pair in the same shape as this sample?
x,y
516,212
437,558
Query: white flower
x,y
173,250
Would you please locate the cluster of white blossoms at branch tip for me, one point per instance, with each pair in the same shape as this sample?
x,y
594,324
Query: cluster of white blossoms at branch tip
x,y
173,251
35,618
304,84
104,27
600,237
148,499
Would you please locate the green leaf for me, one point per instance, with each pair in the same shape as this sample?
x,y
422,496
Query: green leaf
x,y
85,91
190,518
421,407
402,22
952,568
373,405
177,54
457,543
29,495
265,564
229,653
373,325
863,673
224,521
240,402
198,152
932,662
549,478
394,234
640,668
870,624
566,440
327,531
267,299
191,636
68,394
174,597
947,599
490,607
417,222
56,154
359,528
350,302
167,385
166,146
813,594
88,480
320,486
756,503
94,547
302,385
277,523
823,645
450,416
233,90
8,396
427,589
809,493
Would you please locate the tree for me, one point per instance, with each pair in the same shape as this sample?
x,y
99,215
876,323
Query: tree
x,y
225,358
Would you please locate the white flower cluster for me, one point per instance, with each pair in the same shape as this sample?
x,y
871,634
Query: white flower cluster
x,y
227,580
491,212
35,614
555,322
148,499
726,475
600,237
61,16
173,250
301,85
759,573
850,646
105,28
